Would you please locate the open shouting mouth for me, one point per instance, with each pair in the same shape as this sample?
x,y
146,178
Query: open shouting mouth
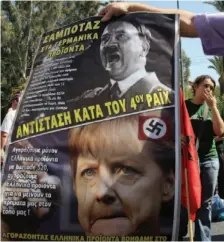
x,y
112,54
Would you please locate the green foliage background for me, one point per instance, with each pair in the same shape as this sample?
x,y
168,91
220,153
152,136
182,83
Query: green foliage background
x,y
23,23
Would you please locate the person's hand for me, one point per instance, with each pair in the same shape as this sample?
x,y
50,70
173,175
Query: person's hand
x,y
219,138
209,99
114,9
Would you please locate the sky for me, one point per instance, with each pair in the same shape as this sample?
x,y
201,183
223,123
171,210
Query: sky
x,y
192,47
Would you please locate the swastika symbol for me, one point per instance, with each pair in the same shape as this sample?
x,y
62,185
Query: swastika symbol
x,y
154,128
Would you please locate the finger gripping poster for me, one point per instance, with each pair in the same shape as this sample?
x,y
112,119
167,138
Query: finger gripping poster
x,y
92,152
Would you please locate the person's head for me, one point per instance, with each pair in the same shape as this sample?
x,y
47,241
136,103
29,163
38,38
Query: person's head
x,y
203,83
119,180
14,101
124,47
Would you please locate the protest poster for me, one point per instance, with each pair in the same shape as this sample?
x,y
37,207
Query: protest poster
x,y
93,153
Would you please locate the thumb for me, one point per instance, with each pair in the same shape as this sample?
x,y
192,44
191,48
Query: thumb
x,y
102,12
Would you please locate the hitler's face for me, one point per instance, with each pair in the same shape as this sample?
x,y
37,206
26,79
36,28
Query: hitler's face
x,y
121,191
122,50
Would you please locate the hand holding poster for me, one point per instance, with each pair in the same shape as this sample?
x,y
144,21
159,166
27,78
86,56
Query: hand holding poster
x,y
92,153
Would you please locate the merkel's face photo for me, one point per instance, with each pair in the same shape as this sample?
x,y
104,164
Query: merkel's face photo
x,y
120,191
120,49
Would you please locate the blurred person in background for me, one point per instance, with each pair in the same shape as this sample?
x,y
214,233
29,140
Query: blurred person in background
x,y
218,201
8,122
206,122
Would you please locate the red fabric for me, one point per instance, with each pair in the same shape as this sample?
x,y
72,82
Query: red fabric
x,y
190,162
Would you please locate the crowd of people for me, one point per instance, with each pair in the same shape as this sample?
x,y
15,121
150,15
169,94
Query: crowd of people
x,y
207,122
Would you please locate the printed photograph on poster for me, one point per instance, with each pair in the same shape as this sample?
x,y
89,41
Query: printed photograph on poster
x,y
93,70
111,178
93,149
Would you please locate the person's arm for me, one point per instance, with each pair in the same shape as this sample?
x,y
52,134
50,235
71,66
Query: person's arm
x,y
217,122
187,28
5,128
211,32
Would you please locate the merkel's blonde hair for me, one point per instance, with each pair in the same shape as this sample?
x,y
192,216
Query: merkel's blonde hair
x,y
120,135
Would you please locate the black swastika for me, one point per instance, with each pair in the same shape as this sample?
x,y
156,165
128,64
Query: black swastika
x,y
155,127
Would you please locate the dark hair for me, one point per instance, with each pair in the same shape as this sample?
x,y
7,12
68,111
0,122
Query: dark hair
x,y
200,79
15,97
143,31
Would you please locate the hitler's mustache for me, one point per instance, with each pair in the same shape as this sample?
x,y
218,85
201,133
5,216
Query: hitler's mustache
x,y
111,49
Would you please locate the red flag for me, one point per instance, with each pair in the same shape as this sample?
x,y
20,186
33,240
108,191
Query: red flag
x,y
191,182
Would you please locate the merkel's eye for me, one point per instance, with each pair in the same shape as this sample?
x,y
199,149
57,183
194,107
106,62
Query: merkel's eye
x,y
125,170
128,170
89,172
